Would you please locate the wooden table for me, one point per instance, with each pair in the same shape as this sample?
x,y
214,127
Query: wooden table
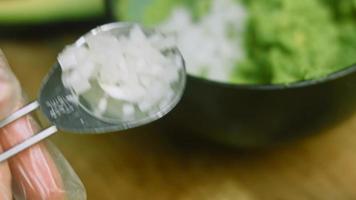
x,y
146,164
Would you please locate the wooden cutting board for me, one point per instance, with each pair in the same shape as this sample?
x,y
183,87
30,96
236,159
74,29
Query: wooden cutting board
x,y
147,164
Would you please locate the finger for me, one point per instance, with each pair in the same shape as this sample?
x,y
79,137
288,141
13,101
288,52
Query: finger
x,y
10,92
33,170
5,181
5,98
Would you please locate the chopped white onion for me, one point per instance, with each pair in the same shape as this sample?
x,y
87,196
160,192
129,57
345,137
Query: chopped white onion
x,y
132,70
206,44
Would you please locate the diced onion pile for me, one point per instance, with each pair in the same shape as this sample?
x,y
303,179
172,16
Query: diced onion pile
x,y
207,45
132,71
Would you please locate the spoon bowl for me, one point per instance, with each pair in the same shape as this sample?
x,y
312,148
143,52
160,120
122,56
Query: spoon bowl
x,y
68,115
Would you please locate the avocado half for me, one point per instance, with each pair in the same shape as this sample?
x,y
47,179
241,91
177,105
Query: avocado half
x,y
17,12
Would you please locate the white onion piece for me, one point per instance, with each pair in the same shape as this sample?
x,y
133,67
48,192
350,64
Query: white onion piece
x,y
103,104
128,110
123,93
71,56
76,82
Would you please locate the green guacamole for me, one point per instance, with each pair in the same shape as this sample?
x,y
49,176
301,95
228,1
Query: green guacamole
x,y
286,41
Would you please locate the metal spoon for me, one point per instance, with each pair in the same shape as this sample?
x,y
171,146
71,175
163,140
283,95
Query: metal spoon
x,y
55,102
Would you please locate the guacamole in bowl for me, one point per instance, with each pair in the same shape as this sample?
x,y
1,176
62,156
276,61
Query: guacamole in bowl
x,y
260,72
255,41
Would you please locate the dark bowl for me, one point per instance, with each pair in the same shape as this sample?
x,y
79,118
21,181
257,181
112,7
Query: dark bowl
x,y
260,115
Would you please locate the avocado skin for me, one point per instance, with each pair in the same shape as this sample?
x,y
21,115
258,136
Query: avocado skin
x,y
18,12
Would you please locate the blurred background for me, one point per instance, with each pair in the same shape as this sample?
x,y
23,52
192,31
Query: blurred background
x,y
155,163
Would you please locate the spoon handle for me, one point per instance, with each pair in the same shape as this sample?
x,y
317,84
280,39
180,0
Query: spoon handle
x,y
28,143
